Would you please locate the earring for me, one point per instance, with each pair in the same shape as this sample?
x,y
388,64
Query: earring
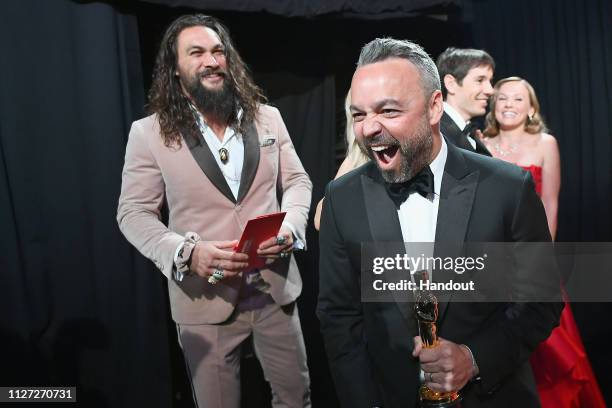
x,y
529,119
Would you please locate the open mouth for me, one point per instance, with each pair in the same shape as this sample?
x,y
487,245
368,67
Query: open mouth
x,y
385,153
212,76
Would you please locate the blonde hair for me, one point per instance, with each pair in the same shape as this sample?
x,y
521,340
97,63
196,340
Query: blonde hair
x,y
354,155
534,124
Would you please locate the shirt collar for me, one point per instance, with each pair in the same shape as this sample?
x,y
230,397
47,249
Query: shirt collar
x,y
202,123
437,166
455,116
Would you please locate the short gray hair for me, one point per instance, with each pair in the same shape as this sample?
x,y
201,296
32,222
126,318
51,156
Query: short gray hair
x,y
381,49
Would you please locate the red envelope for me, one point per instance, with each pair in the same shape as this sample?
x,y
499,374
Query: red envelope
x,y
257,231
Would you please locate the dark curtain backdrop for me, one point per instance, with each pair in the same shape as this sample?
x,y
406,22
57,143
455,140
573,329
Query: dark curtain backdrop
x,y
82,307
79,306
312,8
564,49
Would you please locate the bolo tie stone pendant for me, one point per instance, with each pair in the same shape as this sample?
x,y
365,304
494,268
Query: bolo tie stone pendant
x,y
223,155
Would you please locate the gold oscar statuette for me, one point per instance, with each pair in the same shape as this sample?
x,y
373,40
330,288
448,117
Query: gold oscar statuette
x,y
426,311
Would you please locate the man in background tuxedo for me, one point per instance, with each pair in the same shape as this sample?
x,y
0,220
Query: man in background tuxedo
x,y
418,188
466,86
220,156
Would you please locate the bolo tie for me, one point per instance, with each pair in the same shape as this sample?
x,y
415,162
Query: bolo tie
x,y
223,155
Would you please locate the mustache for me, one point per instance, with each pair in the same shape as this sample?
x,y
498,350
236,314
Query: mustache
x,y
209,71
381,139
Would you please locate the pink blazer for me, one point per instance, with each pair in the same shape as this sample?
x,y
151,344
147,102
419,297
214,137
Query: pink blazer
x,y
200,200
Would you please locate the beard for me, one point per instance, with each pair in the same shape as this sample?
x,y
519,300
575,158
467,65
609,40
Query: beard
x,y
415,152
220,103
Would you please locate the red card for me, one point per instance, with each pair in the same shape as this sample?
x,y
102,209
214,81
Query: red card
x,y
257,231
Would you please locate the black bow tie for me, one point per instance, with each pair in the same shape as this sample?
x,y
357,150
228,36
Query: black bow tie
x,y
422,183
469,129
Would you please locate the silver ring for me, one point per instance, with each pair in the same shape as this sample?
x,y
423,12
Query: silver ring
x,y
430,377
216,276
281,240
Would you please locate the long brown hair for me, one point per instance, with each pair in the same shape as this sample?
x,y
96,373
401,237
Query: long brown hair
x,y
166,97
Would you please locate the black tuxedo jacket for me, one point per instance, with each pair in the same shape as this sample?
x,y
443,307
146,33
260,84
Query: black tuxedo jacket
x,y
449,128
369,345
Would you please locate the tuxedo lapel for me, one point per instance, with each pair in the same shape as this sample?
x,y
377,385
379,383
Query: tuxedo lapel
x,y
449,128
481,148
203,156
456,197
381,211
251,160
386,231
456,200
451,131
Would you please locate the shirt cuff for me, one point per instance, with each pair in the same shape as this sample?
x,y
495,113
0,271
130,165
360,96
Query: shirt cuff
x,y
475,370
298,245
178,276
183,254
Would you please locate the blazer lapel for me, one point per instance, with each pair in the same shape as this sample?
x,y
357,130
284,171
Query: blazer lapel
x,y
386,231
251,160
203,156
456,199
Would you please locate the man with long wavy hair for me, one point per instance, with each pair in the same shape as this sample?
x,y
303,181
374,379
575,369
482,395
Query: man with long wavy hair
x,y
219,156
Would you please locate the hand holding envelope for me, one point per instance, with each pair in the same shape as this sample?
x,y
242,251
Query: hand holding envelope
x,y
279,246
264,239
210,257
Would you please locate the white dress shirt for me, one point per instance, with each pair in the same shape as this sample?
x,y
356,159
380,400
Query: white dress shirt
x,y
232,141
418,215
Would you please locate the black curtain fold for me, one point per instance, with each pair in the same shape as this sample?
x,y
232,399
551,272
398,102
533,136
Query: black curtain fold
x,y
80,306
313,8
564,49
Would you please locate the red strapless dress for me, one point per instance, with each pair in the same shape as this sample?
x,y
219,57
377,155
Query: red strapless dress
x,y
563,374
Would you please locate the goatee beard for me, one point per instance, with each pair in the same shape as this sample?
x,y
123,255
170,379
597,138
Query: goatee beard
x,y
219,104
415,153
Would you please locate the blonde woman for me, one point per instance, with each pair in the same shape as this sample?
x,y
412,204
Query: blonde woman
x,y
354,156
516,133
